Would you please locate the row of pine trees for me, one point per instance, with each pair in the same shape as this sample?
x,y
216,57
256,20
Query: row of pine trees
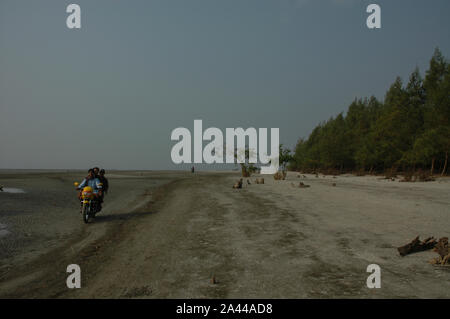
x,y
408,131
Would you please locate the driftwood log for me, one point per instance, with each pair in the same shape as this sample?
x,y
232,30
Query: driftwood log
x,y
416,245
301,185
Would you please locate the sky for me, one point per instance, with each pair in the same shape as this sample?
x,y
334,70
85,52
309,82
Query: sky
x,y
110,94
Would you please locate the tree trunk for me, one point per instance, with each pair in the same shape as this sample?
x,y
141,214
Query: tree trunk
x,y
244,170
432,166
445,164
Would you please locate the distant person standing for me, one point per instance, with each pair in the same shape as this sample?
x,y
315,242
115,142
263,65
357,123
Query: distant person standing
x,y
192,169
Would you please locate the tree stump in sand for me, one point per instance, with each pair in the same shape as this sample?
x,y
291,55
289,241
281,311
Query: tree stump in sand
x,y
443,250
416,245
259,181
279,176
238,184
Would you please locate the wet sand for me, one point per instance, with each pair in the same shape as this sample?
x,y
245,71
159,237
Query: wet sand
x,y
167,234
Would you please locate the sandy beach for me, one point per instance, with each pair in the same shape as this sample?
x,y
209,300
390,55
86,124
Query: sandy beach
x,y
183,235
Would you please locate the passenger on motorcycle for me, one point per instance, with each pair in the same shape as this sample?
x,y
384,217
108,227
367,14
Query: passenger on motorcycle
x,y
104,181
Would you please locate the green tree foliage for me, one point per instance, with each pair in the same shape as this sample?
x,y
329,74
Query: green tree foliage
x,y
410,129
284,157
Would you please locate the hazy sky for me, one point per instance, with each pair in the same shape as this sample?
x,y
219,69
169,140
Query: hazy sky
x,y
111,93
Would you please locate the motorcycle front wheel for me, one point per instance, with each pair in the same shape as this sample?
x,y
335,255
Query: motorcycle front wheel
x,y
85,213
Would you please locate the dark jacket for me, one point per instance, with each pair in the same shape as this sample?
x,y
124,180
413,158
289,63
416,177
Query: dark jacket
x,y
105,183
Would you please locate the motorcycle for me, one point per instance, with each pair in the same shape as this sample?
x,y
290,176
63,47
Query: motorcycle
x,y
90,204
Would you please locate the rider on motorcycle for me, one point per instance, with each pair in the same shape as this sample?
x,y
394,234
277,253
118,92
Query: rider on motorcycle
x,y
93,182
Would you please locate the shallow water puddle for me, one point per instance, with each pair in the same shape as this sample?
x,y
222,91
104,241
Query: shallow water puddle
x,y
13,190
